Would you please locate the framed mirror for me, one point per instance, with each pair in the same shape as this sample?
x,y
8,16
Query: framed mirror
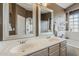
x,y
21,20
45,21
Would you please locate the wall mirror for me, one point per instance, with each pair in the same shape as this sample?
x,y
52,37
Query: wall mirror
x,y
21,20
45,21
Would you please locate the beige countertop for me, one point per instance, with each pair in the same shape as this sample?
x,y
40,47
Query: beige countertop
x,y
38,43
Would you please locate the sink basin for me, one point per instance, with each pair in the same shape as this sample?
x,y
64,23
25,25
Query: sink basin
x,y
53,39
22,48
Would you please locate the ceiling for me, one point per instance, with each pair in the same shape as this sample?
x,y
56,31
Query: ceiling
x,y
64,5
27,6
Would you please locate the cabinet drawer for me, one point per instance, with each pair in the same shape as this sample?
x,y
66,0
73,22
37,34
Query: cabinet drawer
x,y
56,53
43,52
53,48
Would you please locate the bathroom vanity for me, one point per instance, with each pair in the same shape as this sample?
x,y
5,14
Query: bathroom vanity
x,y
36,46
58,49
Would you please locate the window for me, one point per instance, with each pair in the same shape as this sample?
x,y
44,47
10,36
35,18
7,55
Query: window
x,y
74,21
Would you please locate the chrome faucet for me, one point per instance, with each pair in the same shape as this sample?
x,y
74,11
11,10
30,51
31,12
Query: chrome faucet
x,y
22,42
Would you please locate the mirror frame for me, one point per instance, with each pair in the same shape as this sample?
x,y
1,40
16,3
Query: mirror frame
x,y
39,21
6,23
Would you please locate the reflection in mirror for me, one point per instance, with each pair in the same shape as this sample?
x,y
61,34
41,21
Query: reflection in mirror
x,y
45,20
20,19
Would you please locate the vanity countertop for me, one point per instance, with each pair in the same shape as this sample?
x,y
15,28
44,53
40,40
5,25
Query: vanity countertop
x,y
39,44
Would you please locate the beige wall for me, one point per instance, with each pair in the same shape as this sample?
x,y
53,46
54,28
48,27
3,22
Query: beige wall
x,y
59,13
57,9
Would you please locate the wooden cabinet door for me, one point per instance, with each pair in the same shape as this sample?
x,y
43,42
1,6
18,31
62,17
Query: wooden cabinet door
x,y
63,52
54,50
56,53
63,48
